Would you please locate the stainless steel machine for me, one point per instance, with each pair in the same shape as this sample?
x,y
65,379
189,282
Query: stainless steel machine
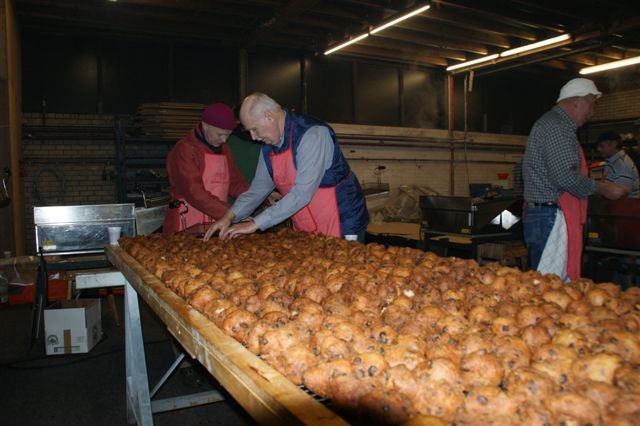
x,y
65,230
457,225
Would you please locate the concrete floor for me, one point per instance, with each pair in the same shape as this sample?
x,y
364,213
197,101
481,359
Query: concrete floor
x,y
89,389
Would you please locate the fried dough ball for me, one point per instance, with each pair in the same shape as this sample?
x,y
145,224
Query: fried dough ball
x,y
530,383
439,399
275,342
369,364
579,307
217,310
572,407
627,378
513,352
622,343
443,370
384,335
600,367
311,314
255,333
505,326
294,362
317,378
534,414
602,394
346,391
555,361
404,354
452,325
534,336
627,404
490,400
572,339
202,296
382,406
480,369
401,379
481,315
476,342
238,323
507,309
560,298
530,315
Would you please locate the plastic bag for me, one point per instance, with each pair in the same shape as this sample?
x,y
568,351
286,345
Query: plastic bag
x,y
403,204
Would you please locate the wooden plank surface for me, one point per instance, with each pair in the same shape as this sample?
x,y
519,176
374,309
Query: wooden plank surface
x,y
266,394
397,229
394,132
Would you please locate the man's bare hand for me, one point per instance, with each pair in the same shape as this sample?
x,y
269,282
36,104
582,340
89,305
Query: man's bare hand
x,y
612,191
221,226
273,198
242,228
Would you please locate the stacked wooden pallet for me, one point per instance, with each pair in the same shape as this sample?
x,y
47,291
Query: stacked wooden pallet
x,y
166,119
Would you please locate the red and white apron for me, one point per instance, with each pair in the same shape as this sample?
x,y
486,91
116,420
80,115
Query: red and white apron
x,y
216,180
321,215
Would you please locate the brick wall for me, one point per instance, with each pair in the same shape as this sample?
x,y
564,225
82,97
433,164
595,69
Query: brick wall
x,y
618,106
68,159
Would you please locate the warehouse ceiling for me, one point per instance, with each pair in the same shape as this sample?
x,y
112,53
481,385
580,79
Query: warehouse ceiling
x,y
450,32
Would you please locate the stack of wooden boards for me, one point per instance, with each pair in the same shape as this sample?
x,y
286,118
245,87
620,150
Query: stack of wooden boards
x,y
166,119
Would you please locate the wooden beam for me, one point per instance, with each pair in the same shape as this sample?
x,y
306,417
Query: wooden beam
x,y
433,41
480,25
511,16
407,46
391,54
281,19
422,25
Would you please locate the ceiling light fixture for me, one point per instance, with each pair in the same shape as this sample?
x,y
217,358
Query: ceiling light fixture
x,y
611,65
503,56
394,21
347,43
400,19
536,45
473,62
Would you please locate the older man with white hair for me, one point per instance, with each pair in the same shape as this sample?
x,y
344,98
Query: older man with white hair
x,y
301,158
556,182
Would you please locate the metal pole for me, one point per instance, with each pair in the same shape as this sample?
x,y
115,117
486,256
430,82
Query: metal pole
x,y
451,112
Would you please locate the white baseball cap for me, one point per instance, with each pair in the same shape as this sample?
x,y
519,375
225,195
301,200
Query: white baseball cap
x,y
578,87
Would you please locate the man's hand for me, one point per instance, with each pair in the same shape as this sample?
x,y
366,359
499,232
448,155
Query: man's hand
x,y
242,228
273,198
612,191
221,225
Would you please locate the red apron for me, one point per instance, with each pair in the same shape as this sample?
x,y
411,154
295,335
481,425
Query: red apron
x,y
216,180
321,215
575,215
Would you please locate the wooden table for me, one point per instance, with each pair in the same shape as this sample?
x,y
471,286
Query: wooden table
x,y
267,395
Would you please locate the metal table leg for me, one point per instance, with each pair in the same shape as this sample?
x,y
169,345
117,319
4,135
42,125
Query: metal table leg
x,y
140,408
138,400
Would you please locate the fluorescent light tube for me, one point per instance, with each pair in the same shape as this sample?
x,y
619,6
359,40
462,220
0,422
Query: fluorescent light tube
x,y
473,62
611,65
347,43
536,45
400,19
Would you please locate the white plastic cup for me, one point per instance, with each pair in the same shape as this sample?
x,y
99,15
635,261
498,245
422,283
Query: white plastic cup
x,y
114,235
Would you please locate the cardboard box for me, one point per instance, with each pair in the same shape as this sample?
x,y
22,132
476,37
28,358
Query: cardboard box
x,y
72,326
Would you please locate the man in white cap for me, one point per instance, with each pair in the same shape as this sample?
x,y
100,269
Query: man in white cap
x,y
556,185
